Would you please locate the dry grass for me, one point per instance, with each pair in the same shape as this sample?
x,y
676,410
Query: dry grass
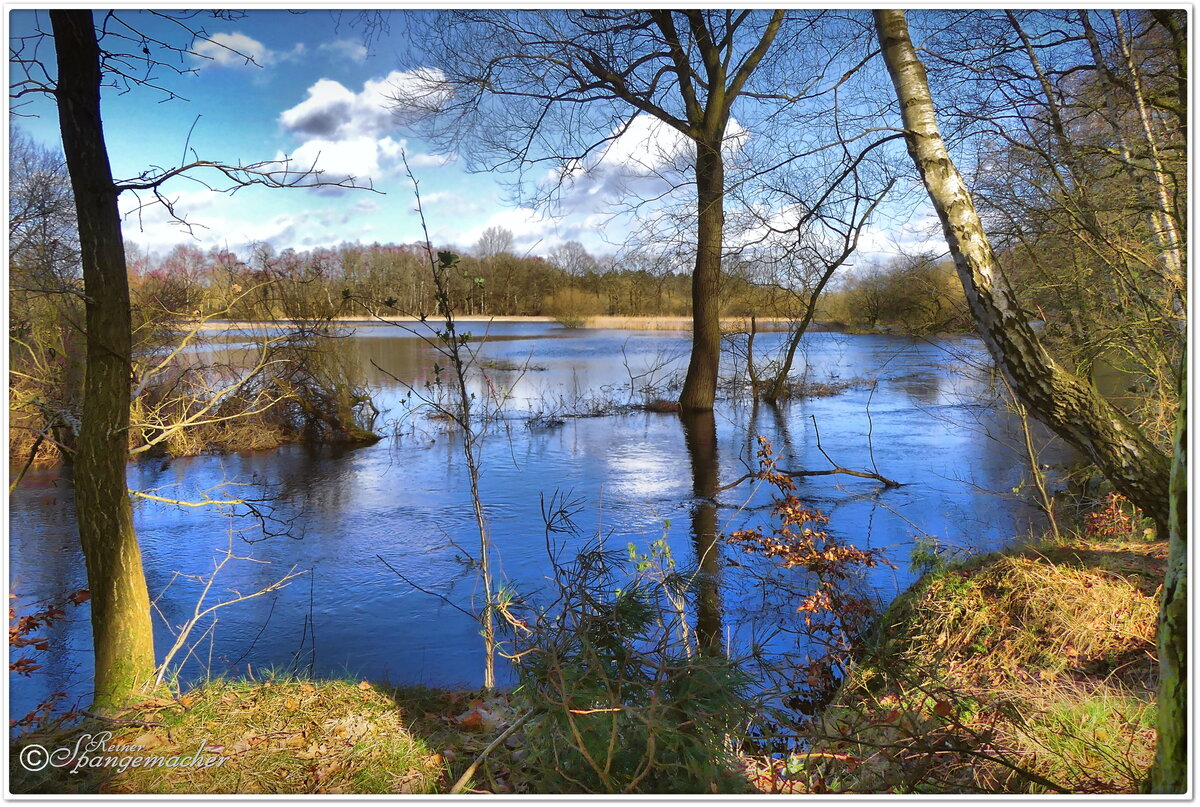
x,y
282,735
604,321
1031,671
665,323
1016,614
287,735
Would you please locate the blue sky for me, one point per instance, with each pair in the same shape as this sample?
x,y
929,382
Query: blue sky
x,y
317,94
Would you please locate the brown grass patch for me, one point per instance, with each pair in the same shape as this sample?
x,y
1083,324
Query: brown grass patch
x,y
1031,671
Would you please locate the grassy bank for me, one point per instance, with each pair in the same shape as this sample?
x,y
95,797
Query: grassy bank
x,y
279,735
1029,671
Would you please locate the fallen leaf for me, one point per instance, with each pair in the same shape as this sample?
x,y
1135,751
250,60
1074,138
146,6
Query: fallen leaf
x,y
291,704
942,708
295,741
477,718
148,740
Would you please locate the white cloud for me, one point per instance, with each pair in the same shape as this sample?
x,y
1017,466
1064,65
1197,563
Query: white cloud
x,y
347,50
891,236
360,158
350,134
332,110
648,160
233,50
218,220
431,160
297,53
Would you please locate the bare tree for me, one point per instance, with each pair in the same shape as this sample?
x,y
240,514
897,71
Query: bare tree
x,y
573,259
1069,123
559,87
493,242
121,629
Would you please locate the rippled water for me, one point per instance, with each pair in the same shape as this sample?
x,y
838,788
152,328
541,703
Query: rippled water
x,y
405,500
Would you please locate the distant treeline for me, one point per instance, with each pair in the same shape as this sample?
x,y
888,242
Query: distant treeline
x,y
570,285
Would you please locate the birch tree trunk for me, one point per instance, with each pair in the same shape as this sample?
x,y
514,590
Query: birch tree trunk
x,y
122,634
1066,403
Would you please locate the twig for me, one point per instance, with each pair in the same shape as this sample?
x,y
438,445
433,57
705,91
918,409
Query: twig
x,y
441,597
470,771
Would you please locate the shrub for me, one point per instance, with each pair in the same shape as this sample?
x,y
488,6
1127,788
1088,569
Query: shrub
x,y
623,701
572,307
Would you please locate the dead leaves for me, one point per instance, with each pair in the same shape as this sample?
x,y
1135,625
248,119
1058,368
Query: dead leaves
x,y
350,728
483,715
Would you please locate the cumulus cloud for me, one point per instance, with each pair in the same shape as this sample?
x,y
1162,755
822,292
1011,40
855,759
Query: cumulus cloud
x,y
918,232
648,159
359,158
350,134
332,110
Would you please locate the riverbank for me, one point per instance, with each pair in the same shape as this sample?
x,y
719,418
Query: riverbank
x,y
1026,671
1029,671
647,323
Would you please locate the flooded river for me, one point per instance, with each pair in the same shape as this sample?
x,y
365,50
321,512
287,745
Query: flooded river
x,y
343,516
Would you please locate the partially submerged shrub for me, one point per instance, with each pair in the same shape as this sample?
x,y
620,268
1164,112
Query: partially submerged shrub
x,y
296,387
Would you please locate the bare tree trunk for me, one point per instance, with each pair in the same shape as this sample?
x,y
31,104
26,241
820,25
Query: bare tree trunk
x,y
779,385
1159,208
700,385
1169,773
122,634
1167,233
700,436
1067,404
